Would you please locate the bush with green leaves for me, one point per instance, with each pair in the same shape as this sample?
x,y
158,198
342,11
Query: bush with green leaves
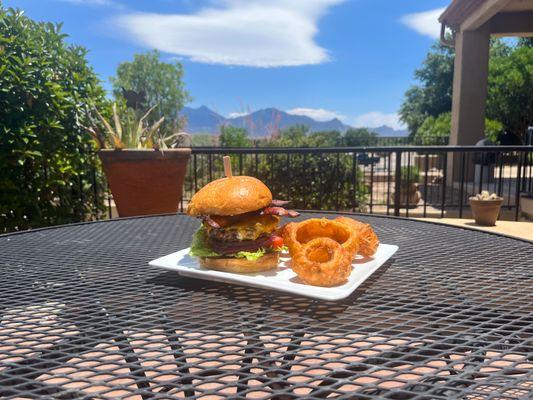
x,y
409,174
440,127
231,136
434,127
360,137
47,168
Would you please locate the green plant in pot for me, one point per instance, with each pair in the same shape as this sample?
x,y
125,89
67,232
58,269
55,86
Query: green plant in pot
x,y
409,193
144,165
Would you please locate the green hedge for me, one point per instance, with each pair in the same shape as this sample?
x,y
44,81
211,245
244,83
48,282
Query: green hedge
x,y
46,163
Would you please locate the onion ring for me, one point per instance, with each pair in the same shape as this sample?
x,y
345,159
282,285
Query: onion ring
x,y
322,262
295,235
368,240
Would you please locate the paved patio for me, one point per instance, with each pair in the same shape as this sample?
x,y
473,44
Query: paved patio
x,y
522,230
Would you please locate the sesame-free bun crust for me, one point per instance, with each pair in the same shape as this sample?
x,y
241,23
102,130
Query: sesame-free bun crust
x,y
230,196
241,265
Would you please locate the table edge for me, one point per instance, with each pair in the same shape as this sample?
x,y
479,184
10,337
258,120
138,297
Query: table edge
x,y
301,211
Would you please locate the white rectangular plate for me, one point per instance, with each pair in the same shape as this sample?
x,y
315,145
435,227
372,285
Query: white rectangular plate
x,y
283,278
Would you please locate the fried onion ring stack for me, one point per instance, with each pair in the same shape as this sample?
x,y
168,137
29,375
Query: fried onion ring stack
x,y
295,235
322,262
322,250
368,240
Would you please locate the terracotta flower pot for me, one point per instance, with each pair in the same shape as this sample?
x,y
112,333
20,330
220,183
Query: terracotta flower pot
x,y
486,212
409,195
145,182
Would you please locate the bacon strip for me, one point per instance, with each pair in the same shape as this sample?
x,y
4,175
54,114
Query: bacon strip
x,y
212,223
280,211
279,203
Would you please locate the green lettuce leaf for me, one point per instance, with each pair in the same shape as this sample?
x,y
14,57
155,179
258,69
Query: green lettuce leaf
x,y
251,256
199,246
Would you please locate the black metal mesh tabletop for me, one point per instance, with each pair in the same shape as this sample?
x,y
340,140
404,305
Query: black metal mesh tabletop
x,y
82,315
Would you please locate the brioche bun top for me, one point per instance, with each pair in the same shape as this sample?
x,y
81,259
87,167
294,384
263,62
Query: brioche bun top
x,y
230,196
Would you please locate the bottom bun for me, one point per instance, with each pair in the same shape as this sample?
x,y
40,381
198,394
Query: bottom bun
x,y
241,265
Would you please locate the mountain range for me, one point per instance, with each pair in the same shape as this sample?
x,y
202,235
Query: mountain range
x,y
266,121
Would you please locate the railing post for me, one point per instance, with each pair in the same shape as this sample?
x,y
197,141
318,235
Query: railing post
x,y
397,183
518,182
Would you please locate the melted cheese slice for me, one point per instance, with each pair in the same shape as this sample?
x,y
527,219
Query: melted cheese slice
x,y
252,228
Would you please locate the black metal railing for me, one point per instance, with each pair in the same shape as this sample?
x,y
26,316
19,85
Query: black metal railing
x,y
412,181
409,181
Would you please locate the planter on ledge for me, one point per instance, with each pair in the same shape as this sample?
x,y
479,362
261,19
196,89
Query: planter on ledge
x,y
486,212
145,182
409,195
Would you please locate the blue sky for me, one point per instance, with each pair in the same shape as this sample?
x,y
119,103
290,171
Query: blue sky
x,y
352,59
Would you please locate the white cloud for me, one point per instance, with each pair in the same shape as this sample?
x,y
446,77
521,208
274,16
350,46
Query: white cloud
x,y
318,114
237,114
90,2
375,119
425,23
257,33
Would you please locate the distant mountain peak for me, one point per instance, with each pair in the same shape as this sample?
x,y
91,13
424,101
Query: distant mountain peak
x,y
264,122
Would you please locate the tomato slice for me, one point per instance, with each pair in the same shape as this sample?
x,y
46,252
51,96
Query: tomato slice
x,y
276,242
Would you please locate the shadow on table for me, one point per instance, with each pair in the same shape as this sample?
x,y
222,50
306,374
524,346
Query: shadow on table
x,y
251,298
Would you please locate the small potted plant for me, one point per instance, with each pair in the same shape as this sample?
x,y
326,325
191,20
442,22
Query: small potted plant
x,y
409,193
486,208
145,168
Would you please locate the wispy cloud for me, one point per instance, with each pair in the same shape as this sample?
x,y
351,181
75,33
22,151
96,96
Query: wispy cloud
x,y
318,114
237,114
91,2
426,23
375,119
257,33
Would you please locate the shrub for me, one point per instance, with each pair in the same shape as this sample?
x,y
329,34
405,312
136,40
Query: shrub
x,y
231,136
47,170
360,137
410,174
432,129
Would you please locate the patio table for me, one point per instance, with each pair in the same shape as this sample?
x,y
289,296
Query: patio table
x,y
82,315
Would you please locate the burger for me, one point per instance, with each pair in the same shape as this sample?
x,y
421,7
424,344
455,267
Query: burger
x,y
240,225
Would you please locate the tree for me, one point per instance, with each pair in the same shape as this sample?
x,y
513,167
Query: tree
x,y
293,136
360,137
231,136
433,96
525,42
434,128
324,139
509,89
153,83
47,170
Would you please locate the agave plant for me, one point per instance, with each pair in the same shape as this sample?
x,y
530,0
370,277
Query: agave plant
x,y
132,132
